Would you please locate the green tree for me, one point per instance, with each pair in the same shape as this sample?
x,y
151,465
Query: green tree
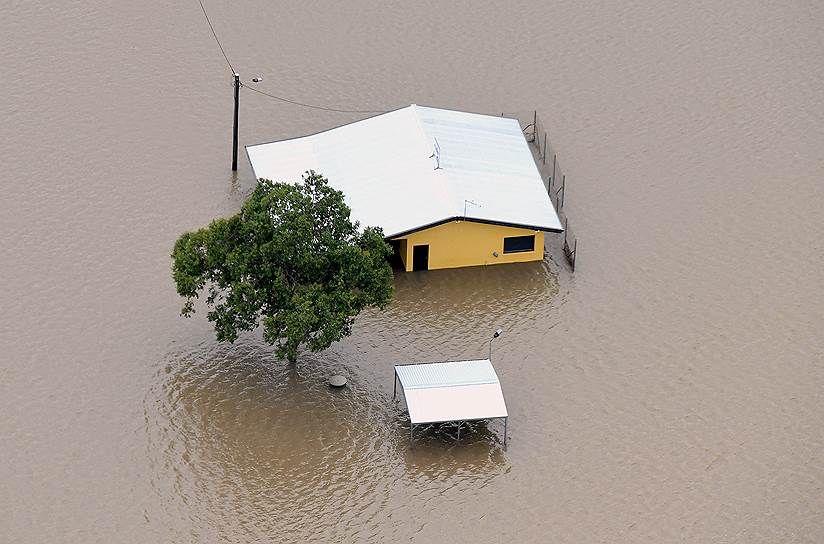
x,y
291,260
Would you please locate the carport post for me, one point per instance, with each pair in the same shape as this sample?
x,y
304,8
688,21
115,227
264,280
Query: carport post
x,y
505,420
395,385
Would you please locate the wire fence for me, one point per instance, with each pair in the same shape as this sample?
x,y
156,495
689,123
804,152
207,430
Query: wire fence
x,y
552,174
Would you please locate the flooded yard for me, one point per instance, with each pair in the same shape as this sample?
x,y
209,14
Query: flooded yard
x,y
667,391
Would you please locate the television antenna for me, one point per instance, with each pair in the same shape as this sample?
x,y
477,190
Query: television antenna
x,y
466,201
436,154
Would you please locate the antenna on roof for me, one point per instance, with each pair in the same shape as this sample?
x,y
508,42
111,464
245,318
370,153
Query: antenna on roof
x,y
436,154
470,202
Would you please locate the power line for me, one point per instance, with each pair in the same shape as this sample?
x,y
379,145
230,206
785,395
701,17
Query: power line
x,y
215,35
280,98
324,108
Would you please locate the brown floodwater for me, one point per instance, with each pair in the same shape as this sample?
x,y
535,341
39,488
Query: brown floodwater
x,y
670,390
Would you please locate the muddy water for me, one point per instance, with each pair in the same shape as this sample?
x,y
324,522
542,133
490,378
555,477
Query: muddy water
x,y
668,391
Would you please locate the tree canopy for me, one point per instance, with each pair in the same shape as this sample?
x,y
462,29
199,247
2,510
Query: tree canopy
x,y
291,260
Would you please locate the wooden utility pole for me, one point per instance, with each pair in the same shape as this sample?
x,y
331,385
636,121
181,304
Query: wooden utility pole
x,y
234,129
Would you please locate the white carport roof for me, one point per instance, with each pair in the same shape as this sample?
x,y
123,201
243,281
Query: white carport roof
x,y
385,168
451,391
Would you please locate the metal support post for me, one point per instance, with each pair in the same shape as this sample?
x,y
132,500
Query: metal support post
x,y
395,386
505,421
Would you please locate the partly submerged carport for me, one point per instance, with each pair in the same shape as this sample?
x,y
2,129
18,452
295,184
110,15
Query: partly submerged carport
x,y
454,391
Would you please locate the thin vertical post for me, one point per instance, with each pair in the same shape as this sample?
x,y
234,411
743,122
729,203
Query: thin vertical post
x,y
459,431
505,421
234,128
395,385
534,124
566,227
554,161
563,190
411,428
575,254
545,139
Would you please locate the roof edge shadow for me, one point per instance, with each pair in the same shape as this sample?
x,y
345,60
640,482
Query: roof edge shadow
x,y
472,220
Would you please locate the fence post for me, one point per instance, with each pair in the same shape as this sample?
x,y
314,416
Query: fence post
x,y
545,139
574,254
554,160
534,124
566,227
563,190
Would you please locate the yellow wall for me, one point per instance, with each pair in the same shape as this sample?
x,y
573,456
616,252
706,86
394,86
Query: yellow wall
x,y
403,249
466,243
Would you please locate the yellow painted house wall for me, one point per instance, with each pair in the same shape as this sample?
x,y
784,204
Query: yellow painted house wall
x,y
467,243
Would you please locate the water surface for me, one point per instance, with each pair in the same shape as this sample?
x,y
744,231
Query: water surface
x,y
668,391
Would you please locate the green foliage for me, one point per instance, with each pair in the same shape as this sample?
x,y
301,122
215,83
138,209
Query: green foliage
x,y
291,260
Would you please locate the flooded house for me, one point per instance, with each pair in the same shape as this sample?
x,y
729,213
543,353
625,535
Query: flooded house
x,y
449,188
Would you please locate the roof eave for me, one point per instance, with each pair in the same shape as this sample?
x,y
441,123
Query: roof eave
x,y
472,220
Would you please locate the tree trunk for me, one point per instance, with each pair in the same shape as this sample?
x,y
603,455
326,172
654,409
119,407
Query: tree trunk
x,y
292,352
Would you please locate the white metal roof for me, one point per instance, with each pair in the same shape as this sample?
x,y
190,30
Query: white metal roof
x,y
385,168
453,391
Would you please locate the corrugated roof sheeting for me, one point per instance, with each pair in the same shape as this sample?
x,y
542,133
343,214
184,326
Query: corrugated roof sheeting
x,y
451,391
384,167
487,160
419,376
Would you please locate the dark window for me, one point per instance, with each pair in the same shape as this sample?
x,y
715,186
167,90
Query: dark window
x,y
518,244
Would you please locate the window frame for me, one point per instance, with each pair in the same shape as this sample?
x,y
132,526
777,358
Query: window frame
x,y
532,248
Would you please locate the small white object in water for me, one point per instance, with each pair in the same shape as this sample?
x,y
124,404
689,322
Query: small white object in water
x,y
337,381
